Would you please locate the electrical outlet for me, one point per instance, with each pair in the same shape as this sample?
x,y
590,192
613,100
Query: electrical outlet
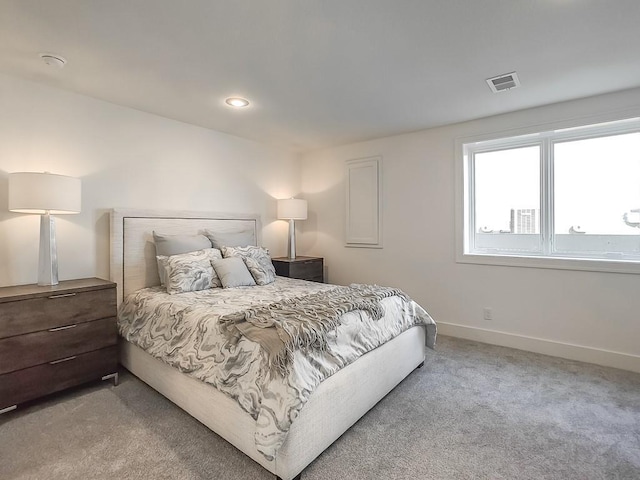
x,y
487,313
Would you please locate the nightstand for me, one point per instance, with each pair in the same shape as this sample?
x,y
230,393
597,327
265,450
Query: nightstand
x,y
304,268
55,337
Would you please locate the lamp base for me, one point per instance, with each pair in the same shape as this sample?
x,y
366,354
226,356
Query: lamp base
x,y
292,239
48,258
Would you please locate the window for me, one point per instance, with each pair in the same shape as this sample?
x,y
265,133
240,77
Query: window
x,y
570,194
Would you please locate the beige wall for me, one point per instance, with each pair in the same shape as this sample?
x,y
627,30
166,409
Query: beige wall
x,y
585,315
125,158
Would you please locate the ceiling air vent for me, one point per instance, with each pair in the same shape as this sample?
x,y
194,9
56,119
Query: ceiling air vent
x,y
503,82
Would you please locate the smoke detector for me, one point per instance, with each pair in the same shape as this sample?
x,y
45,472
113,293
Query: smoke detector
x,y
53,60
503,82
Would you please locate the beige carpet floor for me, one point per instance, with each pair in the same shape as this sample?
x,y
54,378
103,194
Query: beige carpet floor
x,y
474,411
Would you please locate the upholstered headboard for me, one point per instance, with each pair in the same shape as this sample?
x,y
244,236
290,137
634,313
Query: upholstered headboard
x,y
133,254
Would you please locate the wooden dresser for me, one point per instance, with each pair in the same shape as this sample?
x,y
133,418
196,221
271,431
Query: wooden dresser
x,y
56,337
304,268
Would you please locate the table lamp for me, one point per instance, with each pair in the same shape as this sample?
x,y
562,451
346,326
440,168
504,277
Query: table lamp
x,y
292,209
45,194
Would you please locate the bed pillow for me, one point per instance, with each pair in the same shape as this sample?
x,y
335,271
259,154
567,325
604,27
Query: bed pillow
x,y
257,260
167,245
233,272
189,272
235,237
211,253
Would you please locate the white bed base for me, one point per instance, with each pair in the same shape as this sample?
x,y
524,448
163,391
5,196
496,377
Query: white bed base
x,y
336,404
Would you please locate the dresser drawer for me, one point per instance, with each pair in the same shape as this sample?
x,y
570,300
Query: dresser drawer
x,y
306,269
59,342
23,385
55,310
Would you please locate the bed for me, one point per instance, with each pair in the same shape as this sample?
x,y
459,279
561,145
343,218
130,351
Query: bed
x,y
330,409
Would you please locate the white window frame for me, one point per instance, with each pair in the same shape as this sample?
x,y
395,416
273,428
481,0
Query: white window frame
x,y
545,136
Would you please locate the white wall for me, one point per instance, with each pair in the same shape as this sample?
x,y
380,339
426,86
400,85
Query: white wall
x,y
584,315
128,158
125,158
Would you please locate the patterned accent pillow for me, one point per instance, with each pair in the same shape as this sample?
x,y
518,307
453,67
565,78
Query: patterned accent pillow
x,y
257,260
167,245
188,272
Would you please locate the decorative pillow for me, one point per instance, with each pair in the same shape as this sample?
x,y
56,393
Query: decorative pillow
x,y
258,262
234,237
233,272
167,245
188,272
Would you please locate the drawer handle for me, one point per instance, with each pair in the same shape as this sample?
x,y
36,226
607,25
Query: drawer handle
x,y
66,327
62,360
62,295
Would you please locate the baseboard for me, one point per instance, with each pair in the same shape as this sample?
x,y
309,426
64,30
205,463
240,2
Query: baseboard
x,y
598,356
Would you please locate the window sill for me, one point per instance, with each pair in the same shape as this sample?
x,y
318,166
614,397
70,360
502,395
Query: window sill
x,y
556,263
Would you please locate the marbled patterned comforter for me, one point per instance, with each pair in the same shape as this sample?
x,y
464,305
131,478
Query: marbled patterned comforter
x,y
183,331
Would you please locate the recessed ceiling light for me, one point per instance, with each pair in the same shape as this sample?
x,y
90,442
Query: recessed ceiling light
x,y
53,60
237,102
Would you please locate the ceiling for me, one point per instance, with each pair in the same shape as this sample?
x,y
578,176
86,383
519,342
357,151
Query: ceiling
x,y
324,72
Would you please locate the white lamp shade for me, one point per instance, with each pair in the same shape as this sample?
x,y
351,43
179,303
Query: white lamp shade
x,y
292,209
34,192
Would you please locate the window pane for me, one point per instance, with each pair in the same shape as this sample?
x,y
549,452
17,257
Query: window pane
x,y
507,200
597,182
